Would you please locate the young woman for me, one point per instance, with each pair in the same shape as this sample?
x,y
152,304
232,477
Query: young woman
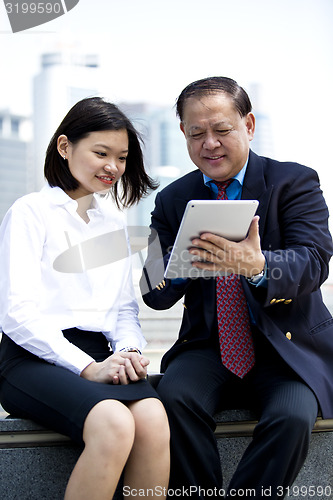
x,y
70,355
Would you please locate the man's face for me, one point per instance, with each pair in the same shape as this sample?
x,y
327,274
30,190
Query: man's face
x,y
218,138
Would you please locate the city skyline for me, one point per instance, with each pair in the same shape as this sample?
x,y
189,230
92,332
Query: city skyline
x,y
149,50
164,147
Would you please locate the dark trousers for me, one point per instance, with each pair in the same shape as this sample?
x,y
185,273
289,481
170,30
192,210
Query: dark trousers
x,y
196,385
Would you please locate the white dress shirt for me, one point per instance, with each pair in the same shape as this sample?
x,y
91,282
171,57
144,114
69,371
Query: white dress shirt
x,y
58,272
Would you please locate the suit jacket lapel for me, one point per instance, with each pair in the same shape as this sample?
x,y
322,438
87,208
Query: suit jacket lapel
x,y
195,190
255,188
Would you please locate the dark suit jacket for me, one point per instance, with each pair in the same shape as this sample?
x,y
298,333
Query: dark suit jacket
x,y
297,245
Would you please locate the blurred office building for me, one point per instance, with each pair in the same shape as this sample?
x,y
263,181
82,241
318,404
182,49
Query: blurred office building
x,y
262,143
65,77
165,151
16,177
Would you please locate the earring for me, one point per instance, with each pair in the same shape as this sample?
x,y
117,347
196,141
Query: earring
x,y
64,157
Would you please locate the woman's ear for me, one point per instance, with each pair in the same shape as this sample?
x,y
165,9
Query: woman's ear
x,y
62,146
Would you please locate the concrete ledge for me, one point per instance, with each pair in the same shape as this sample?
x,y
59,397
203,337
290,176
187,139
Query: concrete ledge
x,y
234,431
35,463
25,433
236,423
229,423
41,461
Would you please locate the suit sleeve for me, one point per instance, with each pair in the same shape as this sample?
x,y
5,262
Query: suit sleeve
x,y
299,264
158,292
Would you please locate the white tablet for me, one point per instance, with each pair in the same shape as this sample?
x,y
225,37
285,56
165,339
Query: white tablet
x,y
228,218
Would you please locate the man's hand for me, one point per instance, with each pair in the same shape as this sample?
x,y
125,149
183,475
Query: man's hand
x,y
119,368
216,253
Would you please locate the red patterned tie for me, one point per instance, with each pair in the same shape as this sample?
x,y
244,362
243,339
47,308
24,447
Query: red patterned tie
x,y
236,343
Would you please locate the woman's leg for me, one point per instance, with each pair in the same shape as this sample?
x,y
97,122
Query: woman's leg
x,y
108,434
148,465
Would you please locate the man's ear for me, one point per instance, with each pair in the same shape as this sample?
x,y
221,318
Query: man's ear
x,y
62,145
182,127
250,125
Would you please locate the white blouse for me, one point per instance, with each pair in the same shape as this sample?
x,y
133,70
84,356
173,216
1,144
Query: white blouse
x,y
58,272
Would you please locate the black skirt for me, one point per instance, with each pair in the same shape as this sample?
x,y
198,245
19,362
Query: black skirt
x,y
54,396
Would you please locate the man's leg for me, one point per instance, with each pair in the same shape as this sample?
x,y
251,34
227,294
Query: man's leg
x,y
191,390
281,439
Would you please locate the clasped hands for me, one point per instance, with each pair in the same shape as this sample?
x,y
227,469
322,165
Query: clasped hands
x,y
119,368
219,254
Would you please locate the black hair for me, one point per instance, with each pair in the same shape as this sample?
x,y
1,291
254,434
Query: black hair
x,y
94,114
215,85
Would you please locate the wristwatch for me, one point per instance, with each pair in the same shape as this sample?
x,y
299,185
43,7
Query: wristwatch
x,y
130,349
254,280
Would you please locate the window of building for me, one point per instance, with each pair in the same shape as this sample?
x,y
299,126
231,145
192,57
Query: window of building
x,y
15,126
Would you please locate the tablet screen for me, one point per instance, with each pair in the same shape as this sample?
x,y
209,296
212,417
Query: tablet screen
x,y
228,218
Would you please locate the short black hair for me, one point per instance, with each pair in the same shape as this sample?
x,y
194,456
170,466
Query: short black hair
x,y
215,85
94,114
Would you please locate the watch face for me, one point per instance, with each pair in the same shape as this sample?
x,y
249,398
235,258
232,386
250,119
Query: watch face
x,y
256,278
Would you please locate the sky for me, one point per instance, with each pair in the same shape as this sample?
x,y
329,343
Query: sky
x,y
151,49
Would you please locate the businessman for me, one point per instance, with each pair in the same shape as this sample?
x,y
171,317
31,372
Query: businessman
x,y
261,335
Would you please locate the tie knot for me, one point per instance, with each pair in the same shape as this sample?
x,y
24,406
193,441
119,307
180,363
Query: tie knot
x,y
222,186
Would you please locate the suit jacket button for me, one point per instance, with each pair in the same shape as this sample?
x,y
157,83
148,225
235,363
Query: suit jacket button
x,y
273,301
287,301
288,335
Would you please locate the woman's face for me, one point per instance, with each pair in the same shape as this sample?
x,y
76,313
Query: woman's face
x,y
97,162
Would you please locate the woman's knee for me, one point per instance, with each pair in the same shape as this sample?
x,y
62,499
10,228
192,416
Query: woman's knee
x,y
151,422
109,424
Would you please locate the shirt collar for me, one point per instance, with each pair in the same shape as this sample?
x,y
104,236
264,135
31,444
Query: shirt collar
x,y
239,177
59,197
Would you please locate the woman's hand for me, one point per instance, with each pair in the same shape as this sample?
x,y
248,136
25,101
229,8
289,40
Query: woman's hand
x,y
119,368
